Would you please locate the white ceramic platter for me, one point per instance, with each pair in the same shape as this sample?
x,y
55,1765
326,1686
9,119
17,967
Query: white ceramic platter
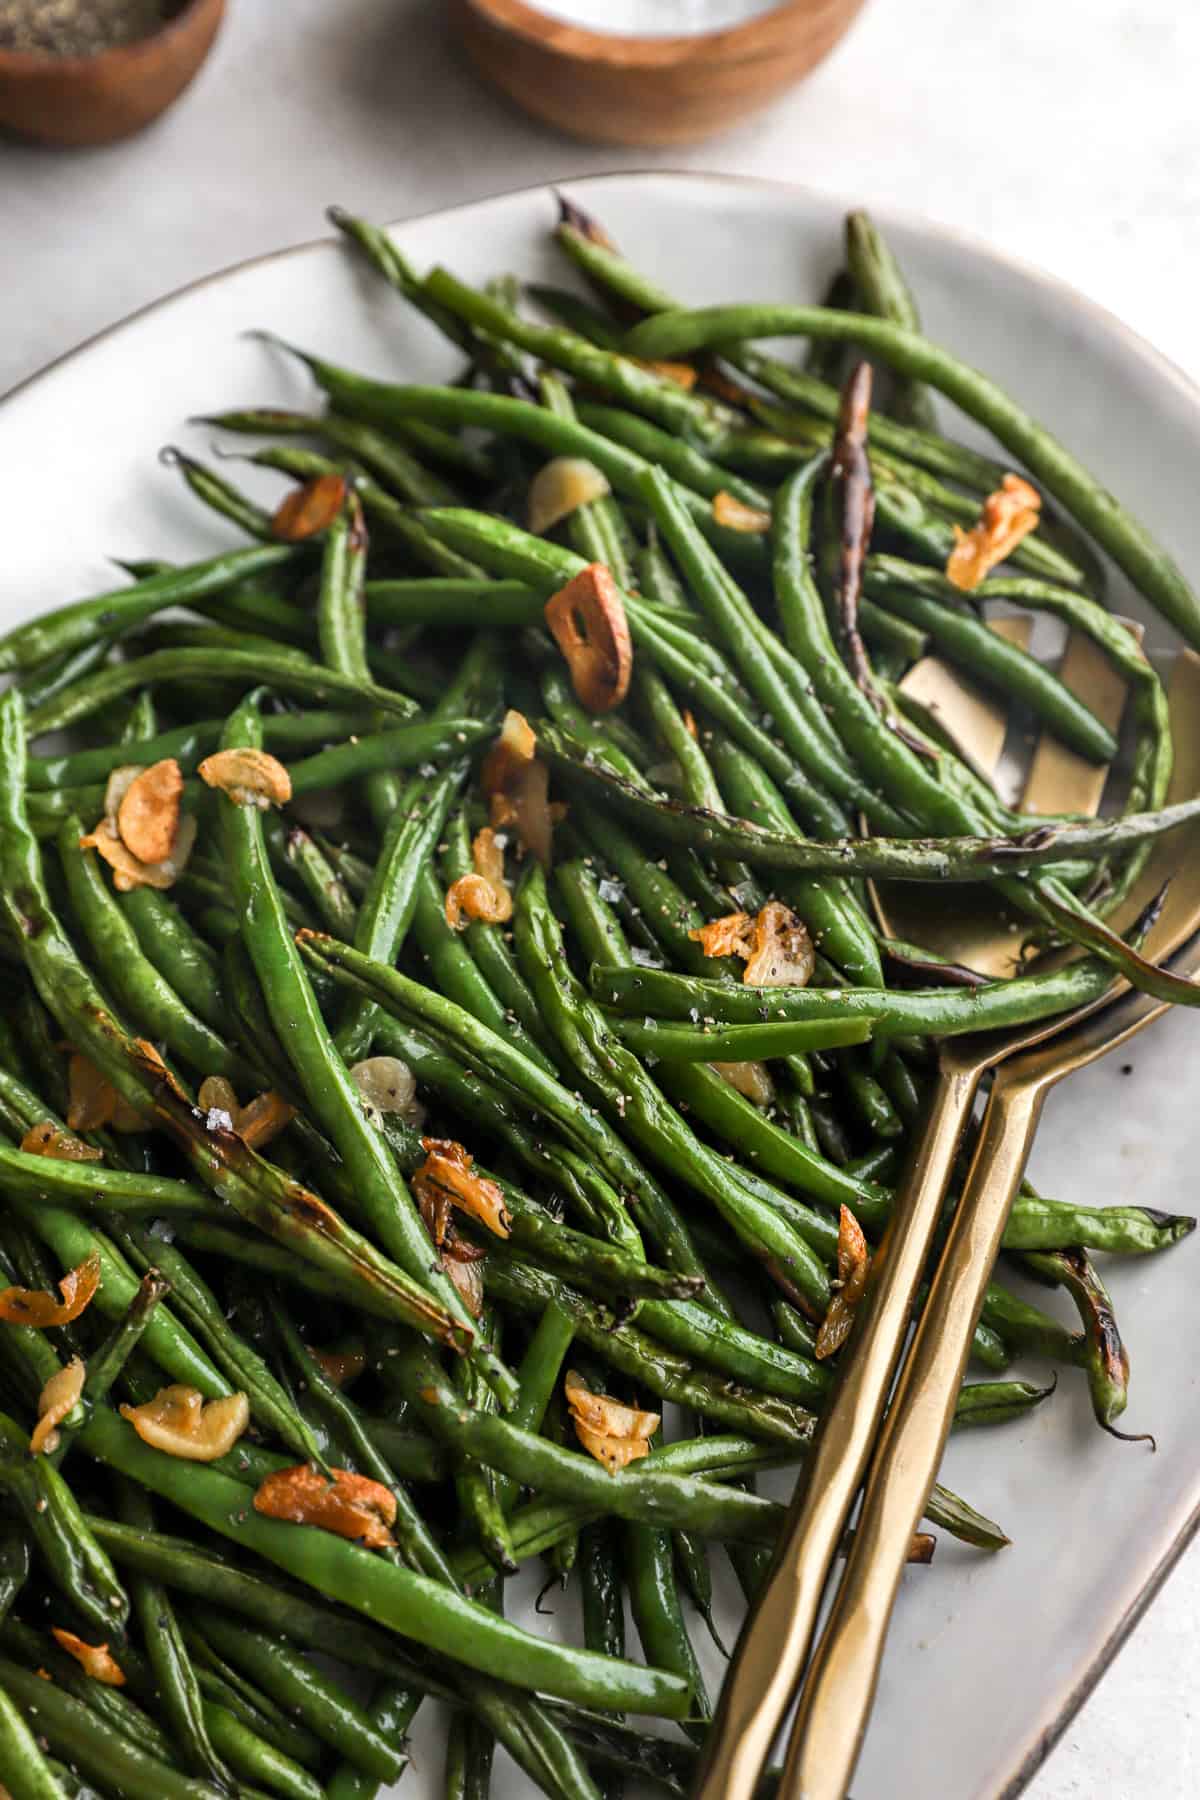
x,y
988,1656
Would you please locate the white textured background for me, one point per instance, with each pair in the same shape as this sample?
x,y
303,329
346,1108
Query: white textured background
x,y
1064,131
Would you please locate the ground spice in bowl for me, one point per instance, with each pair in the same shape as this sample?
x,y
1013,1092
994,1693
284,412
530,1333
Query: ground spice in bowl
x,y
78,27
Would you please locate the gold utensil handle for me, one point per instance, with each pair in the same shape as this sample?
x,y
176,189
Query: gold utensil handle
x,y
770,1654
835,1701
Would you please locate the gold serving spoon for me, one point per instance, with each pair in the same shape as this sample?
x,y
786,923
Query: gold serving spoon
x,y
775,1640
838,1691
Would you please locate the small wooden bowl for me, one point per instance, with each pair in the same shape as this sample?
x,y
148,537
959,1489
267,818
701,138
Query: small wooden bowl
x,y
112,93
646,90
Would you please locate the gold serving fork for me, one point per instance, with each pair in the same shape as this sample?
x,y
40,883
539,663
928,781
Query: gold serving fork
x,y
775,1641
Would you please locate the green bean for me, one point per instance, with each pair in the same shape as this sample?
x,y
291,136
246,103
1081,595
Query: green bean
x,y
388,260
603,1606
680,655
397,467
668,1766
1103,1356
61,672
14,1567
27,1773
685,413
446,603
911,502
879,284
654,1599
697,780
395,519
612,1271
390,901
838,924
796,1112
490,1054
936,1012
226,1685
90,1184
207,1575
483,1515
312,1625
107,1362
902,1087
75,1562
302,1691
1127,541
383,404
189,743
869,1102
117,1709
452,969
254,1760
341,625
741,1043
537,1376
174,1677
217,493
891,637
597,529
168,1341
292,849
667,1373
76,1733
397,1598
407,747
994,1402
617,1272
1024,1326
285,672
69,627
392,1709
681,460
1038,1224
603,263
917,505
963,858
260,612
487,942
578,315
593,923
270,1404
252,1186
668,913
352,1432
608,736
566,1474
781,688
489,355
141,720
619,1084
1152,754
685,1325
177,951
293,1010
134,981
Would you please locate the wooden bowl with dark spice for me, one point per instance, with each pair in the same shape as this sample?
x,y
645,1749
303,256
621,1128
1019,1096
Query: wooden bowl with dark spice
x,y
92,71
645,72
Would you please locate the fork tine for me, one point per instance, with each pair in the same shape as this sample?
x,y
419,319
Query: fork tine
x,y
974,721
1059,779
